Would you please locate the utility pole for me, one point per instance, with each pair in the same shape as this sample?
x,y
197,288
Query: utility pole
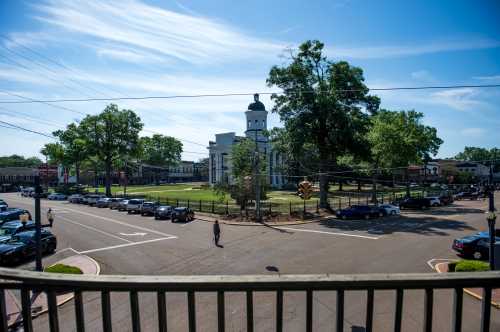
x,y
491,218
256,176
38,224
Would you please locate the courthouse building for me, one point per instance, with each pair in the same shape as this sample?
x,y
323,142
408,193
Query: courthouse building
x,y
219,166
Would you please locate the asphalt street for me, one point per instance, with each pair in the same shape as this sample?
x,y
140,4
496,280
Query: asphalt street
x,y
131,244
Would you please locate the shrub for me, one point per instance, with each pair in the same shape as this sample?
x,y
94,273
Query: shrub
x,y
62,268
471,266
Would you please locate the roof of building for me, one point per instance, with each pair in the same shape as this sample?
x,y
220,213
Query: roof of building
x,y
22,171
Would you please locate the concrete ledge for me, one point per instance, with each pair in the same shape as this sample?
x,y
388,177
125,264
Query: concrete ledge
x,y
39,301
443,268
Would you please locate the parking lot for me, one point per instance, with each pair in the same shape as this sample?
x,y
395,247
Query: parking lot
x,y
132,244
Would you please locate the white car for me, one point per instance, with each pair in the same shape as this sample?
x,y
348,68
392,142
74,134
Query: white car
x,y
390,210
92,199
134,205
435,201
57,197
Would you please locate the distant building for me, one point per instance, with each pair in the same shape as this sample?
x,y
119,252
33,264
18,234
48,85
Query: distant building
x,y
220,166
478,170
17,175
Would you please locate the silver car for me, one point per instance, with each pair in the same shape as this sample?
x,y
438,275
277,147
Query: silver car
x,y
92,199
115,202
134,205
122,205
390,210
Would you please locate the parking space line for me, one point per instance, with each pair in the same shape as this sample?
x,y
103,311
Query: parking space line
x,y
122,223
127,245
95,229
329,233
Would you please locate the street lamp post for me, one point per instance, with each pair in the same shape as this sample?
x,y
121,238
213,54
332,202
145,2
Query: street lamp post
x,y
491,218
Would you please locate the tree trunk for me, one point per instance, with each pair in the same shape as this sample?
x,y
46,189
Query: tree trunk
x,y
408,194
341,182
323,191
77,170
359,185
374,188
108,177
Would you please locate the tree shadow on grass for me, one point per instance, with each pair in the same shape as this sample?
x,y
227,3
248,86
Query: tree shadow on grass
x,y
423,225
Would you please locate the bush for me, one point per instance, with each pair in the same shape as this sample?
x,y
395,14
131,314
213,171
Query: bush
x,y
62,268
471,266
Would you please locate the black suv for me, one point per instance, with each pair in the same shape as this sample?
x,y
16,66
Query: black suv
x,y
182,214
12,214
415,203
163,212
149,208
22,246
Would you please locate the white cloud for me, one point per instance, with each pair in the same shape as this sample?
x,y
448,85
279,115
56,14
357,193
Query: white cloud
x,y
465,99
422,75
487,78
188,38
392,51
473,132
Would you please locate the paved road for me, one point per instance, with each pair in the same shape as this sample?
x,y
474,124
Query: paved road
x,y
131,244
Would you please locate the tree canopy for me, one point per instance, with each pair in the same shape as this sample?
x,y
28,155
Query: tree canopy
x,y
324,105
19,161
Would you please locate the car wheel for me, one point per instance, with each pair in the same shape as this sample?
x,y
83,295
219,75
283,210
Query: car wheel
x,y
129,212
393,213
51,248
344,217
367,216
380,214
477,255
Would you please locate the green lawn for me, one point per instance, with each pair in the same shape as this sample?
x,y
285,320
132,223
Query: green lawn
x,y
195,192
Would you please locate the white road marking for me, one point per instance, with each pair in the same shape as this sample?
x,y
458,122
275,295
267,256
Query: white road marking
x,y
95,229
185,224
123,223
429,262
133,234
127,245
329,233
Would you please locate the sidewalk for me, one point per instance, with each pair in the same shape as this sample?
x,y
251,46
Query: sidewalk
x,y
474,292
39,301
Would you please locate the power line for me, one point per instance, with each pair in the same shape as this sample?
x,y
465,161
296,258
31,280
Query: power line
x,y
26,129
248,94
40,55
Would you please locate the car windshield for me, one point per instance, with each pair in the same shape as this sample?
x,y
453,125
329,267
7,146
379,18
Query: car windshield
x,y
469,238
164,208
180,209
7,231
24,238
134,201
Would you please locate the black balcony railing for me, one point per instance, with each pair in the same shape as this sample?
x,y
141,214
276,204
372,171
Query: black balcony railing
x,y
52,284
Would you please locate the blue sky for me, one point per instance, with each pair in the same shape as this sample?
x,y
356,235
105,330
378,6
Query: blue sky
x,y
138,48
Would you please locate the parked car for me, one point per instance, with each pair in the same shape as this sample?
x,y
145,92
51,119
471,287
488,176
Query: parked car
x,y
163,212
92,199
149,208
415,203
26,192
475,246
57,197
12,214
11,228
472,195
22,246
182,214
103,202
134,205
446,199
360,211
389,209
435,201
3,205
114,202
122,205
75,198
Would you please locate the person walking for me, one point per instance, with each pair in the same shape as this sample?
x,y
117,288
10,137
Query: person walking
x,y
50,217
216,232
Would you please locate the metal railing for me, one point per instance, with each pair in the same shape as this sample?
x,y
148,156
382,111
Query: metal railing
x,y
52,284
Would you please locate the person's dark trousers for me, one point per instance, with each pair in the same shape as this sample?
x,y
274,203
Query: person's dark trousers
x,y
217,237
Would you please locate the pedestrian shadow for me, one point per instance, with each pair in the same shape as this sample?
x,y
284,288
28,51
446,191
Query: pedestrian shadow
x,y
423,225
276,228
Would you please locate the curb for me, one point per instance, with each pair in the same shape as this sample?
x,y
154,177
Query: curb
x,y
252,223
466,290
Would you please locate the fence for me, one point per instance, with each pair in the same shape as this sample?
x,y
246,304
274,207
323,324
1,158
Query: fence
x,y
272,207
192,286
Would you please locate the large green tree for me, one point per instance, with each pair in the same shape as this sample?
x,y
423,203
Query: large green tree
x,y
160,151
75,145
19,161
324,105
398,139
54,153
112,134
